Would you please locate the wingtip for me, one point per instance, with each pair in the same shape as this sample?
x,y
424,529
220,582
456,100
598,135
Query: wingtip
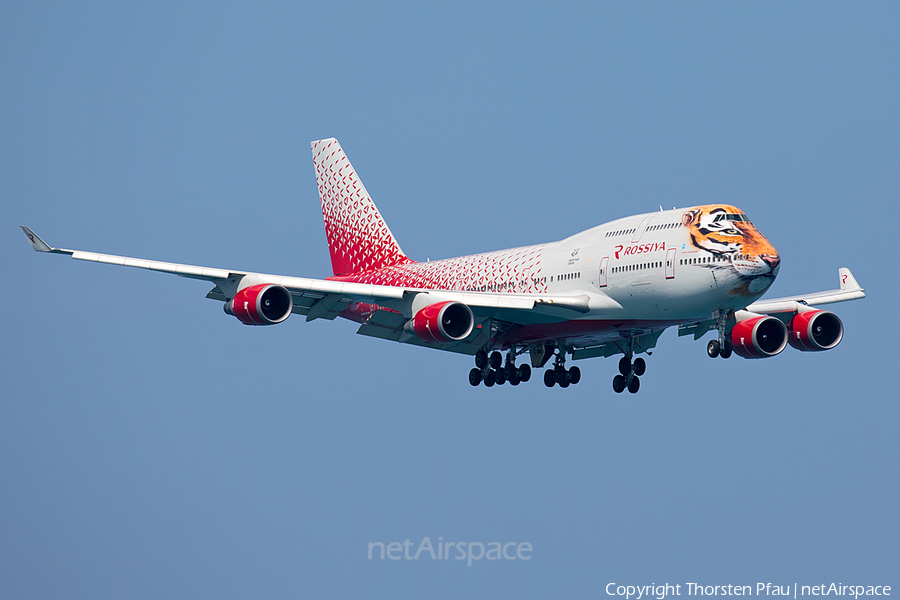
x,y
35,240
848,281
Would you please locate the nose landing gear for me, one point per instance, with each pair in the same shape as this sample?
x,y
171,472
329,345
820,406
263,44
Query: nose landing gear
x,y
715,348
722,345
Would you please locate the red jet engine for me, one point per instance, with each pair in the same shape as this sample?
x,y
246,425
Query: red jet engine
x,y
816,330
443,322
263,304
759,337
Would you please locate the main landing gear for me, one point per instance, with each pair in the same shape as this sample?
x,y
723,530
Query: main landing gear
x,y
491,370
559,374
629,373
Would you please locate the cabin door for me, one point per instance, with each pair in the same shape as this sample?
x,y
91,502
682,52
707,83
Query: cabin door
x,y
604,267
670,264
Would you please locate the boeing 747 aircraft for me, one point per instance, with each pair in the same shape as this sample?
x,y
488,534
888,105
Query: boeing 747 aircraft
x,y
612,289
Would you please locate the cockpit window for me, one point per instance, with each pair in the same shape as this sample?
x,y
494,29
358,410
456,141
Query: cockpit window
x,y
731,217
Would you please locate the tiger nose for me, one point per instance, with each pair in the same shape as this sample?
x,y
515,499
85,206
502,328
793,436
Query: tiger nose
x,y
772,261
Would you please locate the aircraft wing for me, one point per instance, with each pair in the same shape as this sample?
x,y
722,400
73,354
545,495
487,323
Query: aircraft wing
x,y
321,298
849,290
786,308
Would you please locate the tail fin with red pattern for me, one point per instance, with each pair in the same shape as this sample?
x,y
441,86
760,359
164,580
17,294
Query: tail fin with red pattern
x,y
358,238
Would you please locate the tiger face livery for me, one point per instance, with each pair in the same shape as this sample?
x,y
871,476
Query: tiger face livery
x,y
726,232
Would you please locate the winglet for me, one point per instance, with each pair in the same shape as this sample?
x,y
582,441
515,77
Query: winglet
x,y
37,243
40,245
848,281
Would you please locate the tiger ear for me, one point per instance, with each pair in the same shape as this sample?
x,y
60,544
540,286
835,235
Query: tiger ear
x,y
688,217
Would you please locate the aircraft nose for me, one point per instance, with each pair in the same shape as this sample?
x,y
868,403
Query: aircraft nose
x,y
772,260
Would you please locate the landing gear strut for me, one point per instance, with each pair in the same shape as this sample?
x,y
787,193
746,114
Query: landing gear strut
x,y
722,345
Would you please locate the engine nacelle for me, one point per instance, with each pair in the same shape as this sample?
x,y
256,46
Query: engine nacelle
x,y
263,304
759,337
815,330
443,322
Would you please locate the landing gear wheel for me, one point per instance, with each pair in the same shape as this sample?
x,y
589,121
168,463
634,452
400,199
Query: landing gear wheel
x,y
634,385
625,365
564,383
481,359
512,374
475,376
549,378
713,348
500,377
559,373
490,378
619,384
524,373
726,351
574,375
640,366
496,360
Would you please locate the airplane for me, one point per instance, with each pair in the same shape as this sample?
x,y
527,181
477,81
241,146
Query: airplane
x,y
612,289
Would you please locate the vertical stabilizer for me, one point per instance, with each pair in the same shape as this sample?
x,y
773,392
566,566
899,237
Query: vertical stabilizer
x,y
358,238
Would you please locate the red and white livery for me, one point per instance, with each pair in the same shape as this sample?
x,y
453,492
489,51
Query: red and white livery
x,y
612,289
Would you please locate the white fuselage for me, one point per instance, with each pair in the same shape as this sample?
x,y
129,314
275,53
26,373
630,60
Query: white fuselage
x,y
646,271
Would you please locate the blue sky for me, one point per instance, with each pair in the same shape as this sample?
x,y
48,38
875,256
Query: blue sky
x,y
151,445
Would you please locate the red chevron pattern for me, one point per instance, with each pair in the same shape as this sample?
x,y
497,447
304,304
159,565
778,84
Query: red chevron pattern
x,y
513,271
358,238
364,250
